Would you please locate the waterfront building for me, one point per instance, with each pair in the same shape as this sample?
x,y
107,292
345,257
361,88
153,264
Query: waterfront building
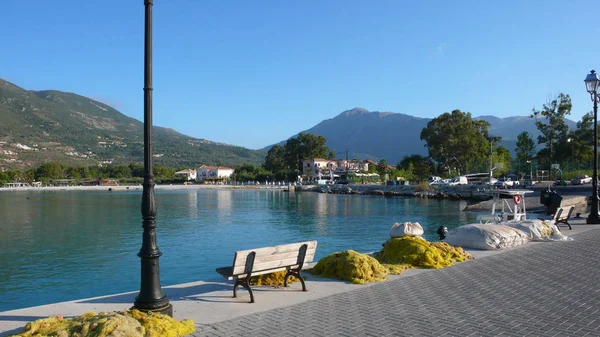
x,y
317,168
187,174
213,174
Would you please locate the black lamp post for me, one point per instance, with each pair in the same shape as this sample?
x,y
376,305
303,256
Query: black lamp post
x,y
591,84
151,297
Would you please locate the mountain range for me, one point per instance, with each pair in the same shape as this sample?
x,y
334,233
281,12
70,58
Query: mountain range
x,y
386,135
38,126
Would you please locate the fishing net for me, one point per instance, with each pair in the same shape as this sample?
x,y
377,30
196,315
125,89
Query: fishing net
x,y
131,323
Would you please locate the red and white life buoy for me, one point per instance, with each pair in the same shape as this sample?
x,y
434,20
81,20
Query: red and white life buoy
x,y
517,199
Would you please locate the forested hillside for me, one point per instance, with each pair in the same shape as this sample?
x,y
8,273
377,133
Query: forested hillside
x,y
41,126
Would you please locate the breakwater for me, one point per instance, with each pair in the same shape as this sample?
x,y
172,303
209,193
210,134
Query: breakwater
x,y
460,192
475,193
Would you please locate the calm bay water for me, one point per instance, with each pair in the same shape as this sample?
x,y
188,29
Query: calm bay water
x,y
59,246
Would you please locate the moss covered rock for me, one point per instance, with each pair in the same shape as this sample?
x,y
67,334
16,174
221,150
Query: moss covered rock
x,y
350,266
132,323
419,252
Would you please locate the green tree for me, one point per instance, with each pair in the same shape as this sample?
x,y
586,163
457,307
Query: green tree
x,y
4,178
382,167
455,140
163,173
122,171
550,121
137,170
419,167
72,173
50,170
275,160
286,162
525,151
307,146
502,155
581,144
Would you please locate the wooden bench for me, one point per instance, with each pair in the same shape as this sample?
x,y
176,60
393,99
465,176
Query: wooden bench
x,y
252,262
562,216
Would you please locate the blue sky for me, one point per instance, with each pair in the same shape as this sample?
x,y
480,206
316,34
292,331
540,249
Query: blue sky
x,y
252,73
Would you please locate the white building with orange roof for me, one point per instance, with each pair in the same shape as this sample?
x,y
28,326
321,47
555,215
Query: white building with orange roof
x,y
187,174
213,174
314,167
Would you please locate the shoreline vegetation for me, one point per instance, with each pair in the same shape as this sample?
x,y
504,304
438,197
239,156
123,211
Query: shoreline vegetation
x,y
136,188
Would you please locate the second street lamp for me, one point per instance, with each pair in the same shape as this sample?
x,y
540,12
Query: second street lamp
x,y
591,85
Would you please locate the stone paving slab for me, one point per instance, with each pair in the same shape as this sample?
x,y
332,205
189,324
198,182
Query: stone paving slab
x,y
547,289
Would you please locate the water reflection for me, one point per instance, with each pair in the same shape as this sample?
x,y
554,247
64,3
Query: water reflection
x,y
61,246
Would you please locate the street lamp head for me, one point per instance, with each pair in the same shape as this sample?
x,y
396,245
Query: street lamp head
x,y
591,82
569,140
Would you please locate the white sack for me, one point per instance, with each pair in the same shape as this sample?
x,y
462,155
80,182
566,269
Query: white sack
x,y
535,229
406,229
538,230
486,236
557,235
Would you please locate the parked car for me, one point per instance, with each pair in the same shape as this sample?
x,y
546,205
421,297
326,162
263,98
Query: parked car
x,y
492,182
504,182
582,179
432,180
526,181
441,182
461,180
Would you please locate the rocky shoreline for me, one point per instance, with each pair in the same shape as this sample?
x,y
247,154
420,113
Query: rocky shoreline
x,y
466,192
479,198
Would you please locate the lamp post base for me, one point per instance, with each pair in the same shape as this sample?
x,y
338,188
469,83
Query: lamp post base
x,y
168,310
593,219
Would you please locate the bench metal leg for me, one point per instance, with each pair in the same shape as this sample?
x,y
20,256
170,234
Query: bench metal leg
x,y
296,274
244,283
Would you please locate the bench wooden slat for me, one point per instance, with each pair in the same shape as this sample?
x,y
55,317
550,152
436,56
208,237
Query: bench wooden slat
x,y
227,274
240,256
262,265
283,256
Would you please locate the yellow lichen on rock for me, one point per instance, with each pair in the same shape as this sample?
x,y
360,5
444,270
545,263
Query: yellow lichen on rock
x,y
132,323
418,252
396,269
350,266
158,325
273,279
456,254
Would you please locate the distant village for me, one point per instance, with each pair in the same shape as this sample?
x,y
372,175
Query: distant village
x,y
317,170
313,170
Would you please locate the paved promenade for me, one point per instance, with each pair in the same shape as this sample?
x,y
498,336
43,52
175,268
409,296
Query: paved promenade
x,y
545,289
539,289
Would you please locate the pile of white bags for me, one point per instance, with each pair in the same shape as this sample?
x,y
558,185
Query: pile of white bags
x,y
406,229
486,236
539,230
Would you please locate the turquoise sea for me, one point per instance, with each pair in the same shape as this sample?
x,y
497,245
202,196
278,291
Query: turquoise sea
x,y
59,246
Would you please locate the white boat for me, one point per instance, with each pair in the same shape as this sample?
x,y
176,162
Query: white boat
x,y
513,206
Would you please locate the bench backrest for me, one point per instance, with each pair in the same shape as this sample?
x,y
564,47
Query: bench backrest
x,y
272,259
563,213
